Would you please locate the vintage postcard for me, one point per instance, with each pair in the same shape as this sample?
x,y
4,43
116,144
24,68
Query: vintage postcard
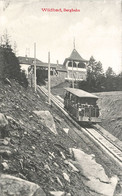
x,y
60,98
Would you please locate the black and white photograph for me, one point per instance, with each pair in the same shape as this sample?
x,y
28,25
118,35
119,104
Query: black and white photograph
x,y
60,98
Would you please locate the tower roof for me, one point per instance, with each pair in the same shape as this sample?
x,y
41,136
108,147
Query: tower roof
x,y
76,56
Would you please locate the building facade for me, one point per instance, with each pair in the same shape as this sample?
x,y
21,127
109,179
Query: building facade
x,y
76,67
73,69
58,72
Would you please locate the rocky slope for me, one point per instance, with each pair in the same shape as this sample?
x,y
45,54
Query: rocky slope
x,y
31,151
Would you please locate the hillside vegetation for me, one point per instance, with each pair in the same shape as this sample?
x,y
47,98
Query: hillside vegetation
x,y
110,104
99,81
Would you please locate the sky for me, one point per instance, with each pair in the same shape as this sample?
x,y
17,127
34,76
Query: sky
x,y
96,29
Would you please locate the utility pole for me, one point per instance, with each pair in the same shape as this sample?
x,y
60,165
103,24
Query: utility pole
x,y
49,100
72,76
35,67
77,77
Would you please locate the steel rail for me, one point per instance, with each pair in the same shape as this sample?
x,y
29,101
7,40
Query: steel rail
x,y
106,145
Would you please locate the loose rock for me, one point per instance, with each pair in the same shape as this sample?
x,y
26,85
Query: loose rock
x,y
66,130
3,121
98,180
5,166
47,119
57,193
66,177
18,186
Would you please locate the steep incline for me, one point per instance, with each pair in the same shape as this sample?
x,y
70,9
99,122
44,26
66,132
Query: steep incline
x,y
110,104
38,155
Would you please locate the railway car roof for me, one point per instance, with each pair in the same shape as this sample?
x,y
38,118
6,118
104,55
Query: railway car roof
x,y
80,93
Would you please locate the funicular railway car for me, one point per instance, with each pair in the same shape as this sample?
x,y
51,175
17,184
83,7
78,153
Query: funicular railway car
x,y
81,105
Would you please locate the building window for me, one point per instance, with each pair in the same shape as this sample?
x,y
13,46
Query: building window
x,y
70,64
51,73
81,65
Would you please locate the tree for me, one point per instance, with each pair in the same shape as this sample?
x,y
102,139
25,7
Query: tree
x,y
110,75
113,82
110,72
5,40
10,64
15,48
119,82
98,81
95,75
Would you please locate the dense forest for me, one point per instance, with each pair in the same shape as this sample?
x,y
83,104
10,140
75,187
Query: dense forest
x,y
98,81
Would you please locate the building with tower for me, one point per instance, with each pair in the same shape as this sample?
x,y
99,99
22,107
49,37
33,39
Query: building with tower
x,y
75,66
73,69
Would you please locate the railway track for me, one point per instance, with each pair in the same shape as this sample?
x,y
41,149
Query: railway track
x,y
108,146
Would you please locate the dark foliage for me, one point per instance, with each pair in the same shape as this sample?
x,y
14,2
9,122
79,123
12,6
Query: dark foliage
x,y
10,67
113,82
97,81
23,80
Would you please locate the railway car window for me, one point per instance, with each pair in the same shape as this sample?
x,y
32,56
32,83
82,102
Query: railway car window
x,y
78,103
70,96
67,95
